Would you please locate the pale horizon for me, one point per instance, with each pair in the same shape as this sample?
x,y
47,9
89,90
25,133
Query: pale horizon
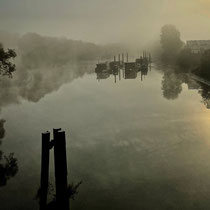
x,y
103,22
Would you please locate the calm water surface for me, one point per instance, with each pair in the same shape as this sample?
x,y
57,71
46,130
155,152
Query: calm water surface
x,y
135,144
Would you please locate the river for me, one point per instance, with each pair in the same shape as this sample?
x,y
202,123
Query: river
x,y
141,143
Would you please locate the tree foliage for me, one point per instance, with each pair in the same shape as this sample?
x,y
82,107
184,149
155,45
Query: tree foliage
x,y
6,67
171,43
8,164
8,168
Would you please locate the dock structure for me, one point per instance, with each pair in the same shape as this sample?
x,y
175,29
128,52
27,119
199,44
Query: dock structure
x,y
150,58
129,69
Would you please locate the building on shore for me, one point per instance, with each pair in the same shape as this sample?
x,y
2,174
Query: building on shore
x,y
198,46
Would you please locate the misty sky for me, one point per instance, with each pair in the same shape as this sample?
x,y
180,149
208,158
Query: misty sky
x,y
104,21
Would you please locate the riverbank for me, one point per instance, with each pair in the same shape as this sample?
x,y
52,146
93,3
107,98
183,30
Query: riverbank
x,y
199,79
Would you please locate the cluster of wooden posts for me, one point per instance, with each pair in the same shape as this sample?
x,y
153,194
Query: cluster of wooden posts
x,y
60,161
129,69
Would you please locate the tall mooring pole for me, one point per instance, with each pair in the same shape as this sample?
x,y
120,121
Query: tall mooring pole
x,y
62,199
44,170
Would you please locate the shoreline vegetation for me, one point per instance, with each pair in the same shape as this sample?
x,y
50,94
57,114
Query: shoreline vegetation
x,y
49,62
180,66
6,66
175,53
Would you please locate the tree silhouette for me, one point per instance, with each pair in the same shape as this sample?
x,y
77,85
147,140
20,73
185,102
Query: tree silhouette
x,y
8,168
6,67
171,43
2,130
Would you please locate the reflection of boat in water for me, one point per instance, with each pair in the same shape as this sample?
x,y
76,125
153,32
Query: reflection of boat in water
x,y
144,67
130,70
102,70
115,70
101,67
102,75
130,65
114,65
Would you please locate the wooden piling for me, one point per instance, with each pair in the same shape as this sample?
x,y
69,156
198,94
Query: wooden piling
x,y
127,56
62,199
44,170
150,58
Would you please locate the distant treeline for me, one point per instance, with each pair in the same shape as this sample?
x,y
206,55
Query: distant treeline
x,y
174,52
44,63
36,49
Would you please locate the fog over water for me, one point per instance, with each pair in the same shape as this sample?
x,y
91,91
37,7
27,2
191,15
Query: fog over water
x,y
141,141
138,139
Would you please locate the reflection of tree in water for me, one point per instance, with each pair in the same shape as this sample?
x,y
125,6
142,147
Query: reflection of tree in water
x,y
8,164
33,84
2,130
38,73
171,85
8,168
43,66
205,93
